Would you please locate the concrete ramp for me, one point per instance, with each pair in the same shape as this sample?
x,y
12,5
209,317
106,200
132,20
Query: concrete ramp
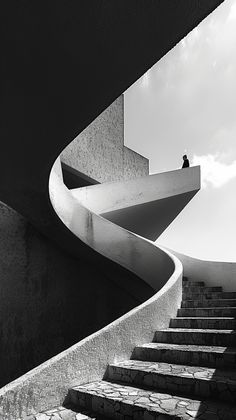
x,y
145,206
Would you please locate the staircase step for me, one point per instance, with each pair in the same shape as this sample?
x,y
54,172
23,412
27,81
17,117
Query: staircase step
x,y
187,283
205,337
205,303
209,295
193,355
204,312
63,413
201,289
178,379
201,323
125,402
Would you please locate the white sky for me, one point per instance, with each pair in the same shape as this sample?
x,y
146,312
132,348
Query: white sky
x,y
187,104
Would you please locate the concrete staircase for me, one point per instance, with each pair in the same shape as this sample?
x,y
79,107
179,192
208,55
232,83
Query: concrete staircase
x,y
188,371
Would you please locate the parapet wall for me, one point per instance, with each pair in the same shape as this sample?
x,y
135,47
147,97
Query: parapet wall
x,y
213,273
99,151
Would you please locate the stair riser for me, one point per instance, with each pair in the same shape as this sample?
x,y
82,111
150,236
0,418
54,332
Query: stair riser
x,y
201,289
205,312
203,323
209,295
197,338
188,283
182,357
174,384
208,303
114,409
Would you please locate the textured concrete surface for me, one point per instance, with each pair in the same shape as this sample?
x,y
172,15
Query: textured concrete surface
x,y
40,282
99,150
126,402
47,385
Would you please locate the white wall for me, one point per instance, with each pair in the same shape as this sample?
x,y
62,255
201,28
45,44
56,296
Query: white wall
x,y
214,273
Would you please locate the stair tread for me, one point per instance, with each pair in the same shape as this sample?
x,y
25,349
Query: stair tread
x,y
123,397
198,330
205,317
61,412
189,347
206,299
172,369
212,307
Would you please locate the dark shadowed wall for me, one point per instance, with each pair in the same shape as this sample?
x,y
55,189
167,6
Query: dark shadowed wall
x,y
48,299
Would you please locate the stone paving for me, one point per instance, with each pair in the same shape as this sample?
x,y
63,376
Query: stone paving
x,y
62,413
203,323
188,303
188,380
209,295
212,356
204,312
209,337
126,402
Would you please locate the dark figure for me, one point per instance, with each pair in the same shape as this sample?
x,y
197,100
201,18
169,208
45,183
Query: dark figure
x,y
186,162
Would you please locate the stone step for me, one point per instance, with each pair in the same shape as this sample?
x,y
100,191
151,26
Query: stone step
x,y
194,381
201,289
204,312
187,283
63,413
193,355
201,323
126,402
205,303
205,337
209,295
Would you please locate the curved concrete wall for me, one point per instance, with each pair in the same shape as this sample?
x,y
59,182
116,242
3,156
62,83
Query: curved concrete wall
x,y
125,248
214,273
40,281
47,385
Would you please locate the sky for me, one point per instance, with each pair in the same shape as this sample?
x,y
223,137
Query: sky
x,y
186,103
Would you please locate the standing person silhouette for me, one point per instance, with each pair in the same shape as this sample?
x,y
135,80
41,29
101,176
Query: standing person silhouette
x,y
186,162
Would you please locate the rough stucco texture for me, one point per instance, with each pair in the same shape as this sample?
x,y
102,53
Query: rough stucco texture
x,y
40,283
99,150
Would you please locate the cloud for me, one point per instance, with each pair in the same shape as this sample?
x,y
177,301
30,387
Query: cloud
x,y
232,12
214,172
